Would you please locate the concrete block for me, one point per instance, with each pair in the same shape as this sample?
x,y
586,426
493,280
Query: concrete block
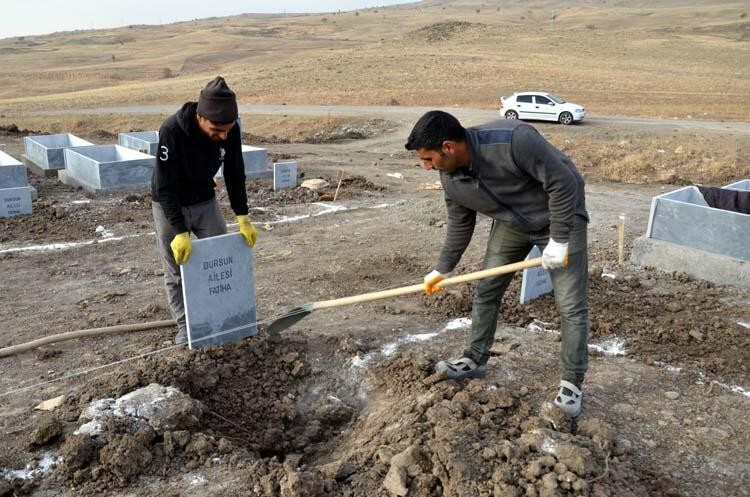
x,y
15,201
699,264
536,280
284,175
46,151
219,291
684,218
107,167
256,163
742,185
12,172
146,142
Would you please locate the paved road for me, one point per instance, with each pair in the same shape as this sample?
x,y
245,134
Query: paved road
x,y
411,114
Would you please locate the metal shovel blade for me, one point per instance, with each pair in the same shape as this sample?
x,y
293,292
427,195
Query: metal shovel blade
x,y
289,319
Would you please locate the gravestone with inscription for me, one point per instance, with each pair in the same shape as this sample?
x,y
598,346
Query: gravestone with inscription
x,y
15,192
219,291
536,281
15,201
284,175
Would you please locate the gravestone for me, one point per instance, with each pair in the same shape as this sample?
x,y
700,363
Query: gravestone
x,y
47,151
146,142
284,175
536,280
219,291
15,193
15,201
107,168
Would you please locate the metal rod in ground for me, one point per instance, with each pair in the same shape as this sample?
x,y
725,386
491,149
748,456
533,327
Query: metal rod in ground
x,y
621,241
342,173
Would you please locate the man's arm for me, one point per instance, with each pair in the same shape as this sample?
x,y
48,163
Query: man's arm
x,y
461,222
234,175
166,170
546,164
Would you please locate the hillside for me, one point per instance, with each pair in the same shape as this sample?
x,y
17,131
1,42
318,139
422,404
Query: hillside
x,y
667,60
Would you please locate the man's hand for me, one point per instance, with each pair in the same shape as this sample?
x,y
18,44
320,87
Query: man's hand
x,y
431,280
555,255
248,230
181,247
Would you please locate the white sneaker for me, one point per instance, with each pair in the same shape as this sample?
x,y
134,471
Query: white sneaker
x,y
457,369
568,399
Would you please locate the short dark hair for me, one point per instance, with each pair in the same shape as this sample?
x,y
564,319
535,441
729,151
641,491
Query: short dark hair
x,y
433,129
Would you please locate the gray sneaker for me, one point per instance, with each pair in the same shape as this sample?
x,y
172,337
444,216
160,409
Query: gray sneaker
x,y
464,367
180,338
568,399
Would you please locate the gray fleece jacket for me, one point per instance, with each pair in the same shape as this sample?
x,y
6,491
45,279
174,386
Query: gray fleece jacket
x,y
515,177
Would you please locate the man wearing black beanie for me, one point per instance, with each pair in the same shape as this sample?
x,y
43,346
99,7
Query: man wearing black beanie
x,y
193,144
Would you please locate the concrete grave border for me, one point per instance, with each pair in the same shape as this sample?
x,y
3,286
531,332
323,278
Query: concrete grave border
x,y
127,170
685,235
146,142
47,151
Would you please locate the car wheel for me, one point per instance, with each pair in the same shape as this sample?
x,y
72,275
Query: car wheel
x,y
511,114
566,118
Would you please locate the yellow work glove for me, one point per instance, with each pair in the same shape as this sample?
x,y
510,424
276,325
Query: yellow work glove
x,y
431,280
248,230
181,247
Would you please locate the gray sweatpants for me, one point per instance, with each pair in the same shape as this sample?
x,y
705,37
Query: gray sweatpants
x,y
506,246
203,220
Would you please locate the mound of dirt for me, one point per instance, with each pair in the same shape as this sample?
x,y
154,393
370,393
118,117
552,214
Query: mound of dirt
x,y
255,407
330,131
445,30
287,428
12,130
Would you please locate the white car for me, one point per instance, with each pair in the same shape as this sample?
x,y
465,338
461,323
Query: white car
x,y
538,105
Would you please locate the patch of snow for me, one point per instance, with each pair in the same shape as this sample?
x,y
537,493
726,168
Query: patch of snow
x,y
197,480
104,232
611,347
549,446
33,470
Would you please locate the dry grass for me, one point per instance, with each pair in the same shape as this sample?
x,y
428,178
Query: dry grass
x,y
659,61
103,128
641,158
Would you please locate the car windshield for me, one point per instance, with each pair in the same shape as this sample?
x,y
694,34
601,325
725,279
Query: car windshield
x,y
555,98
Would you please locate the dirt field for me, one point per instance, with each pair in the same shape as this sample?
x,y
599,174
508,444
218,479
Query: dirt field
x,y
326,408
344,403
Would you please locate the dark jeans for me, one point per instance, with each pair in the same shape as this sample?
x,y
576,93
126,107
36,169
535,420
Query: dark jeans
x,y
506,246
203,220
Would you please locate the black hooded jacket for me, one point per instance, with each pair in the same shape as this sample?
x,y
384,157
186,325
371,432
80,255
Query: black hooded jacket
x,y
186,163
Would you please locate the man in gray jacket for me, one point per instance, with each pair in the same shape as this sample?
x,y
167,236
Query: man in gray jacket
x,y
535,196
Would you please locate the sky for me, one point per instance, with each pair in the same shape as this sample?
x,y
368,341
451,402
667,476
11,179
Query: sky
x,y
33,17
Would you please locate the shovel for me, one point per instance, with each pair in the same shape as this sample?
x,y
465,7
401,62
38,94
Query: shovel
x,y
293,316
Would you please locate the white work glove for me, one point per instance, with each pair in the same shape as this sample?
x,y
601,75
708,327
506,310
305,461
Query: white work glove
x,y
431,280
555,255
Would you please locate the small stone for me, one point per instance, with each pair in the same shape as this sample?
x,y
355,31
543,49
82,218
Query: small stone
x,y
395,481
673,307
672,395
549,480
488,454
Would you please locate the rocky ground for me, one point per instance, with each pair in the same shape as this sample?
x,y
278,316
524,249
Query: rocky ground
x,y
345,403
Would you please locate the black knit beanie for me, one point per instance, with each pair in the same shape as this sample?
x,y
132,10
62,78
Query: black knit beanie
x,y
217,102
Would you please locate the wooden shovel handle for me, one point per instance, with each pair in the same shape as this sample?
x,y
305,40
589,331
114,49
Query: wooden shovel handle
x,y
404,290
